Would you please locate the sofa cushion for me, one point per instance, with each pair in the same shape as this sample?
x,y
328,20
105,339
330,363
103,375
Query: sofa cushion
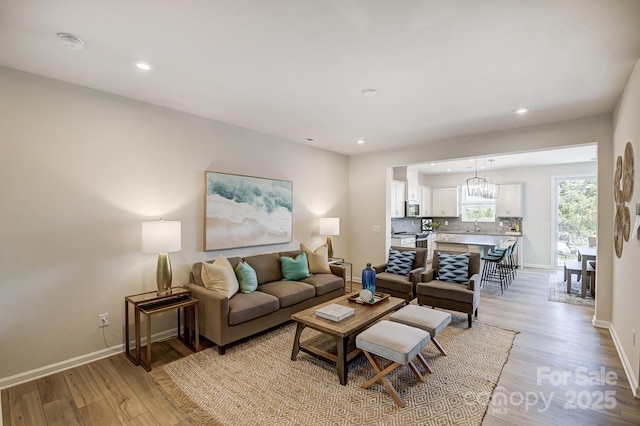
x,y
289,292
267,267
325,283
294,269
318,259
445,290
397,283
247,278
453,268
244,307
219,276
400,262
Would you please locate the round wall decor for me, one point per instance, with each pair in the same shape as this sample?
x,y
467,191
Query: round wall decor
x,y
622,193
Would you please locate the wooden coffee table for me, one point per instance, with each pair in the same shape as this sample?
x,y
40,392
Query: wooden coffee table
x,y
336,343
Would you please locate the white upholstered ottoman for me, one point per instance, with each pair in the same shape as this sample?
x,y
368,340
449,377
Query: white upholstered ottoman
x,y
427,319
397,343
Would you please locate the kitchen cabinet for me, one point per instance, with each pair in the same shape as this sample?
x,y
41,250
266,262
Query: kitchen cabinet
x,y
397,198
509,201
425,201
445,202
404,241
413,189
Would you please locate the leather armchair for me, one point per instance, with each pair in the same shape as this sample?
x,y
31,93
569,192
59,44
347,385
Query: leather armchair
x,y
454,296
403,286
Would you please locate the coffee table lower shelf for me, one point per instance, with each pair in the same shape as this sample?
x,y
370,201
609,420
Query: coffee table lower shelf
x,y
326,347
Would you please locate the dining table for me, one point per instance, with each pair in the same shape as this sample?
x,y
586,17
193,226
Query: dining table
x,y
585,254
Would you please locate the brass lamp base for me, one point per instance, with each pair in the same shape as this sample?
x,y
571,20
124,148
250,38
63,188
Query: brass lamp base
x,y
330,246
163,274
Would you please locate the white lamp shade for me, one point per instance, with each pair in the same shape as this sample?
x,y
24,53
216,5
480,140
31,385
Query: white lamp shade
x,y
329,226
161,236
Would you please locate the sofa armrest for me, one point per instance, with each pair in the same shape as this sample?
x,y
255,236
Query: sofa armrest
x,y
428,275
213,312
380,268
338,270
474,283
414,275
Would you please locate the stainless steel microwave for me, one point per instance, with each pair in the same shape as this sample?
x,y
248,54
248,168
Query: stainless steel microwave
x,y
412,208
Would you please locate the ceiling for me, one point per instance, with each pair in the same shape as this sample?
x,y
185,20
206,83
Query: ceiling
x,y
297,68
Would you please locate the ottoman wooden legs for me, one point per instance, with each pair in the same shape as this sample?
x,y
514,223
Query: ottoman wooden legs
x,y
397,343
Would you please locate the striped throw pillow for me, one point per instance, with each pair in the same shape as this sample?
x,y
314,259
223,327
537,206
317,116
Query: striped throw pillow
x,y
453,268
400,262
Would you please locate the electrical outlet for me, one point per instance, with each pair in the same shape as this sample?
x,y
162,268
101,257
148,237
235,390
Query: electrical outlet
x,y
501,224
446,222
103,320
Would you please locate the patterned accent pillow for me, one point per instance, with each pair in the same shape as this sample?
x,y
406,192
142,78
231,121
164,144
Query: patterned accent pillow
x,y
247,278
453,268
295,269
400,262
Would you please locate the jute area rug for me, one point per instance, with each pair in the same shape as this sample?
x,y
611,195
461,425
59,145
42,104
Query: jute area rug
x,y
558,291
256,383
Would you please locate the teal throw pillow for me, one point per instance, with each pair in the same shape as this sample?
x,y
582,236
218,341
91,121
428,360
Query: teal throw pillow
x,y
295,269
247,278
453,268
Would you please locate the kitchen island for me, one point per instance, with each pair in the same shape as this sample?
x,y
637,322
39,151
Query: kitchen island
x,y
473,243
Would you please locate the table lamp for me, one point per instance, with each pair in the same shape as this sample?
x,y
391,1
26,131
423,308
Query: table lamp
x,y
162,237
330,226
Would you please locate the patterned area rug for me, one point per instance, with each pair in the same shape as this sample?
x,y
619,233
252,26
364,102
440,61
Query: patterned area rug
x,y
256,383
558,291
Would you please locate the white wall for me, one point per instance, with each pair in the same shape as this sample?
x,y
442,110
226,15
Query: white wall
x,y
626,289
537,201
80,170
369,174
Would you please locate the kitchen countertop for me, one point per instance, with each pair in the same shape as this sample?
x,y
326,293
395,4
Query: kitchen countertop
x,y
475,239
505,234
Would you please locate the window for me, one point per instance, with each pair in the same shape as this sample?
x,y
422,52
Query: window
x,y
477,208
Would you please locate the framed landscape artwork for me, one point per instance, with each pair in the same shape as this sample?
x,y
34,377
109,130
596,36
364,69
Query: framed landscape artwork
x,y
243,211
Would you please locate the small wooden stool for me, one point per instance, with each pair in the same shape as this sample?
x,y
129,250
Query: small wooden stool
x,y
398,343
427,319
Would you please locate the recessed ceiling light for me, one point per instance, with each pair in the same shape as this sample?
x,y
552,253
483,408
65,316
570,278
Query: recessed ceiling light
x,y
369,92
432,164
522,110
143,65
360,141
448,170
70,41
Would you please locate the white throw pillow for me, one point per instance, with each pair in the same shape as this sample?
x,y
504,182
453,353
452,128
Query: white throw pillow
x,y
318,259
220,276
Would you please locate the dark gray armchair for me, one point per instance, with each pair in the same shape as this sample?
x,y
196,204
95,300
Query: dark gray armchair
x,y
403,286
450,295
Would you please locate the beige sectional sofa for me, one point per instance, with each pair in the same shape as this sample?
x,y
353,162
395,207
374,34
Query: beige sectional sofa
x,y
225,320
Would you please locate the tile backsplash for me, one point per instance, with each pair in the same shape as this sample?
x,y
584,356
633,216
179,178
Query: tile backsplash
x,y
455,224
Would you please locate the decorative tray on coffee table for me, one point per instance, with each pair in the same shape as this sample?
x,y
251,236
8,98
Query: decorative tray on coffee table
x,y
377,298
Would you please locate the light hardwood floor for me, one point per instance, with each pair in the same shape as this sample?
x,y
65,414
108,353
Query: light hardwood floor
x,y
556,340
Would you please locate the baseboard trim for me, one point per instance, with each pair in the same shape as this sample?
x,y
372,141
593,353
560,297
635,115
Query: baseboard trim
x,y
7,382
633,382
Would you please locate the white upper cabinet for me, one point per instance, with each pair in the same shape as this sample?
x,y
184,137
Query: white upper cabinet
x,y
397,198
445,202
425,201
413,189
509,201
